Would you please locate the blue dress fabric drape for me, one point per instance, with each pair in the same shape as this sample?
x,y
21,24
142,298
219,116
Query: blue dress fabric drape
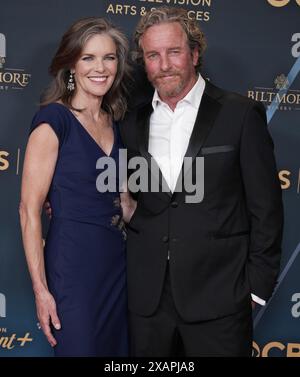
x,y
85,256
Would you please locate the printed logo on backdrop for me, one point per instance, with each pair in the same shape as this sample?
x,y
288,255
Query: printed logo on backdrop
x,y
281,3
290,100
276,349
9,160
10,78
290,180
279,96
8,340
199,10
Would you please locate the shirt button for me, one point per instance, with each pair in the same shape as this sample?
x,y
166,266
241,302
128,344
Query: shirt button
x,y
174,204
165,238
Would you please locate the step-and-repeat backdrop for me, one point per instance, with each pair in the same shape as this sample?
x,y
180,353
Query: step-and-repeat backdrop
x,y
253,49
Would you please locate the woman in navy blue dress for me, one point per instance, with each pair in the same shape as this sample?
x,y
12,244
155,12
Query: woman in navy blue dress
x,y
79,280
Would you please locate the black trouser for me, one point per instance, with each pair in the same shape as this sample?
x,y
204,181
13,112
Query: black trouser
x,y
165,334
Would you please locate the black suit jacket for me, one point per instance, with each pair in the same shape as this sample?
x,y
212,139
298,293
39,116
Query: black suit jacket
x,y
228,245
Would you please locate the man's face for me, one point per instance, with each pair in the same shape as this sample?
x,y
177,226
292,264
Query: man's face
x,y
169,62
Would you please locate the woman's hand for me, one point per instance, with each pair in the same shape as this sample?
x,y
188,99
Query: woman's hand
x,y
48,209
46,312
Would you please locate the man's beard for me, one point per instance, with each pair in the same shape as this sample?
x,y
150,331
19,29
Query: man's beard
x,y
168,89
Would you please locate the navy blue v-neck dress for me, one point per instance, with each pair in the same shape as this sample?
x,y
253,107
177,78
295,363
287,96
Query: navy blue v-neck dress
x,y
85,245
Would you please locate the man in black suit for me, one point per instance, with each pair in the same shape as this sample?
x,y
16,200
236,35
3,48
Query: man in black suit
x,y
194,268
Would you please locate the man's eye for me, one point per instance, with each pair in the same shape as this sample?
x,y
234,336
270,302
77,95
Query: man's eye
x,y
152,56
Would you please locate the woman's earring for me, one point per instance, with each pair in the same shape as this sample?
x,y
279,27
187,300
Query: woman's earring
x,y
71,85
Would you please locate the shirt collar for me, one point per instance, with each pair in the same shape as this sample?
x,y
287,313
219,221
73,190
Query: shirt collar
x,y
193,97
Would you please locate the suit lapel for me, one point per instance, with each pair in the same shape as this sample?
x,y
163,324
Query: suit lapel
x,y
208,111
207,114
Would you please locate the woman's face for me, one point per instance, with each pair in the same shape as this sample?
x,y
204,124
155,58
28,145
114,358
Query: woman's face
x,y
96,69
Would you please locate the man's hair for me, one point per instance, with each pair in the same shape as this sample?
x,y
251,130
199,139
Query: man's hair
x,y
195,36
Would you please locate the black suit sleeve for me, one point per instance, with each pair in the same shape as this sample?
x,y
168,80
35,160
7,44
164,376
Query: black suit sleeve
x,y
264,201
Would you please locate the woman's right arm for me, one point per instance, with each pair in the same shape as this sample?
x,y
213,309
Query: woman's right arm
x,y
39,164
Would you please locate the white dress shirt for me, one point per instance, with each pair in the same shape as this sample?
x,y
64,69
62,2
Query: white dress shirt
x,y
170,132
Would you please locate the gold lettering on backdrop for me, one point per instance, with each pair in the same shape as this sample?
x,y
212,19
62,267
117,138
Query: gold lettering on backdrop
x,y
122,9
281,3
4,163
6,342
284,180
132,10
265,352
119,9
21,79
251,94
293,350
195,3
278,3
255,348
199,15
9,342
293,98
266,96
